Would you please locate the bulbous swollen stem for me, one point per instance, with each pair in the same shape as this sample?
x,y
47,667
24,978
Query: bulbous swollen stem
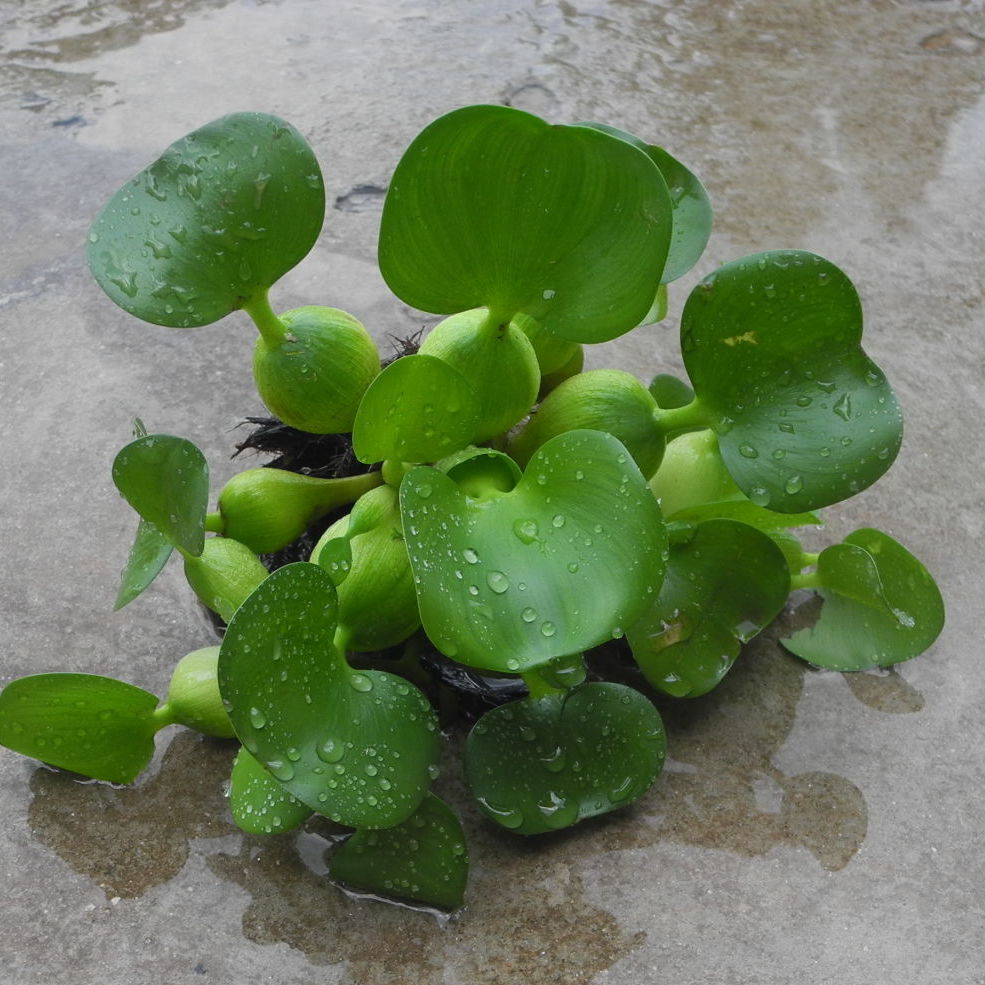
x,y
268,324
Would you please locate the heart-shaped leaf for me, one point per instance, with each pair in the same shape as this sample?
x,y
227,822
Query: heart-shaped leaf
x,y
691,207
540,764
354,746
881,606
260,805
417,410
95,726
493,207
772,345
722,586
209,226
166,480
423,859
555,566
148,555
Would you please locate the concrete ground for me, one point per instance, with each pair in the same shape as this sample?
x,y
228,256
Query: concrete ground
x,y
811,828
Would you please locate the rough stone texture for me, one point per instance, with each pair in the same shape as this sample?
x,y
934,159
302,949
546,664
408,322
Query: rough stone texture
x,y
810,828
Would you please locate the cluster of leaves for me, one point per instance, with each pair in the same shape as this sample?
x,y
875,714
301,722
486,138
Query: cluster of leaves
x,y
523,512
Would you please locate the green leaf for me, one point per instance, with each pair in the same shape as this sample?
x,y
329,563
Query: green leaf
x,y
148,555
423,859
354,746
881,606
95,726
692,214
417,410
166,480
259,804
745,512
541,764
555,566
218,218
722,586
772,345
482,472
670,392
493,207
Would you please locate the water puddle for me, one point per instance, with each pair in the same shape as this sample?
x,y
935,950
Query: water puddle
x,y
530,913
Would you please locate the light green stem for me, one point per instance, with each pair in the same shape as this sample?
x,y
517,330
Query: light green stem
x,y
496,321
680,419
162,717
214,524
537,686
268,324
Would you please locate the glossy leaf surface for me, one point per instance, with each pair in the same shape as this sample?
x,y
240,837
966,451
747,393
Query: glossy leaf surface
x,y
491,206
148,555
881,606
722,586
356,746
540,764
96,726
552,567
422,859
689,201
417,410
259,803
772,345
218,218
166,480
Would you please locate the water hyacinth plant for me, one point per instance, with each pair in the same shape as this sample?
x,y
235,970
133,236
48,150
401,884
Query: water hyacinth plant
x,y
504,513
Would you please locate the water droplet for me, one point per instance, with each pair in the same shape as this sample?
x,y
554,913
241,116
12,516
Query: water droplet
x,y
786,427
293,754
527,733
579,475
498,582
843,407
793,485
281,770
525,530
622,790
572,566
528,614
513,663
555,761
548,629
747,451
779,454
424,490
804,401
473,590
257,718
360,682
759,496
558,520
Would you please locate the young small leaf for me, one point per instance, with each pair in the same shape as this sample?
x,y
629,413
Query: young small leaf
x,y
96,726
166,480
881,606
772,345
549,568
356,746
493,207
259,803
417,410
722,586
218,218
148,555
424,858
540,764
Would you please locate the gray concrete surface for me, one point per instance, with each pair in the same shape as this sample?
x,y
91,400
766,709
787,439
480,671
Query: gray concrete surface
x,y
811,828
